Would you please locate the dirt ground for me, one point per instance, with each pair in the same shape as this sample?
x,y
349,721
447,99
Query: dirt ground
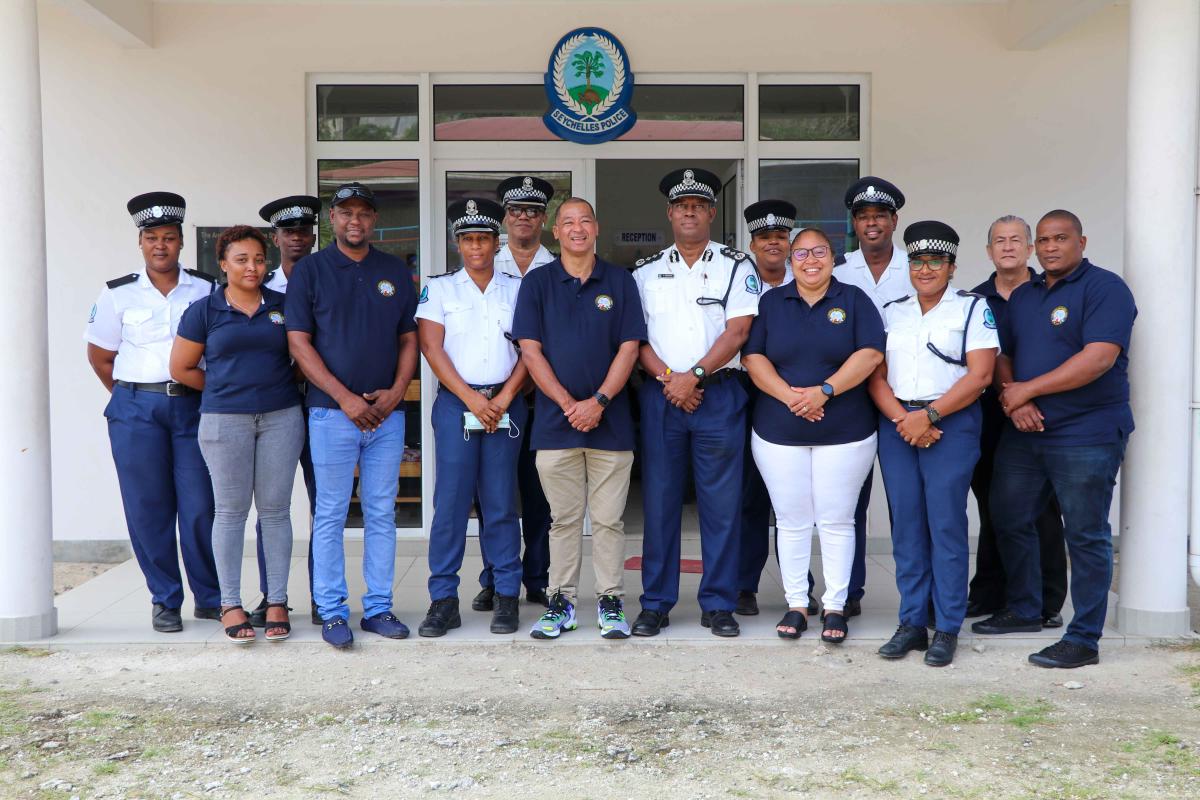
x,y
69,574
612,721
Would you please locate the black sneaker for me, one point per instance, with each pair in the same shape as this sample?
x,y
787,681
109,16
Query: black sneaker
x,y
1065,655
485,600
507,616
1007,622
441,617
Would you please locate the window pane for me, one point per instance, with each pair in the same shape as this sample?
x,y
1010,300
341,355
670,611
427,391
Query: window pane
x,y
687,113
366,113
808,113
818,190
396,231
206,250
479,183
490,113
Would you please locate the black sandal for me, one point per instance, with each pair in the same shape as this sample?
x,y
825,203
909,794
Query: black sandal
x,y
232,632
792,619
834,621
286,625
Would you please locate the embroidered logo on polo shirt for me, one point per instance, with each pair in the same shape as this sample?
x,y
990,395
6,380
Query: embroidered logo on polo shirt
x,y
604,302
276,317
386,288
752,284
837,315
1059,315
424,298
989,319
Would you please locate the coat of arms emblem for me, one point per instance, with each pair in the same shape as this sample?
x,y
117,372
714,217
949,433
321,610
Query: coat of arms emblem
x,y
590,88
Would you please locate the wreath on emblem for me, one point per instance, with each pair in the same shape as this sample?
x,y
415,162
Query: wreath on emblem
x,y
618,75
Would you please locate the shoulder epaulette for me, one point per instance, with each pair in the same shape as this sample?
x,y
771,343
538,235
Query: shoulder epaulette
x,y
736,255
965,293
448,273
837,262
897,300
649,259
121,281
268,277
195,273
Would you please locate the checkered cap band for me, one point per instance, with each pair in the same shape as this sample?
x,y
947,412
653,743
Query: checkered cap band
x,y
471,223
690,187
777,222
932,246
290,213
875,196
164,215
523,194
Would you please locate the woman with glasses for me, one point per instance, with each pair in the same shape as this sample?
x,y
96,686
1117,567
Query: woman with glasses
x,y
811,349
941,348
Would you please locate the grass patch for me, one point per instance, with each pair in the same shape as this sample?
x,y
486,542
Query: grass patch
x,y
850,775
28,652
154,751
994,708
1188,645
1163,749
105,768
99,719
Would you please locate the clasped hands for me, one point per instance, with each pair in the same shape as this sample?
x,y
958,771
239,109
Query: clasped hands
x,y
806,402
488,411
682,390
369,410
1017,401
916,429
584,415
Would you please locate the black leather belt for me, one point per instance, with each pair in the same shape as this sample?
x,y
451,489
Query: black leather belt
x,y
489,391
169,388
721,375
915,403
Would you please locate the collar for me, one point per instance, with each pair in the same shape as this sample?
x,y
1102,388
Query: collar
x,y
1084,266
340,259
709,253
185,279
218,302
988,287
598,270
792,292
463,276
899,259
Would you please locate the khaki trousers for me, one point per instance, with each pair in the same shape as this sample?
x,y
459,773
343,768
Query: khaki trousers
x,y
573,479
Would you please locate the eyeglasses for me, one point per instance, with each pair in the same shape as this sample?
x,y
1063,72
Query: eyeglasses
x,y
934,264
801,255
531,212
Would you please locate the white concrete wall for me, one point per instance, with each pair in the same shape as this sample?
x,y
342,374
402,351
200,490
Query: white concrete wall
x,y
216,111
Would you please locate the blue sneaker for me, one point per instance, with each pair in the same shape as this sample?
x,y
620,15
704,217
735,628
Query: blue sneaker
x,y
336,632
385,624
610,618
559,617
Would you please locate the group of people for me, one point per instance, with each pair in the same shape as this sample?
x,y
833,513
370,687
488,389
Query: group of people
x,y
774,379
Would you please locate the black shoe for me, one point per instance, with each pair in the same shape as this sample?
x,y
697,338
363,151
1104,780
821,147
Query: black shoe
x,y
507,616
1007,622
906,638
853,608
166,620
441,617
813,608
315,615
649,623
1065,655
485,600
538,596
258,617
941,649
747,604
978,609
722,623
202,612
1051,620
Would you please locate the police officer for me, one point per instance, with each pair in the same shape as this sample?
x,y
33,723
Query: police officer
x,y
293,220
524,198
880,268
699,299
464,321
941,349
152,420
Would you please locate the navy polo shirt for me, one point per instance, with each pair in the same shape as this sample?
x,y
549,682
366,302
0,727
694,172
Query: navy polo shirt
x,y
356,312
806,344
993,415
1045,326
580,327
247,369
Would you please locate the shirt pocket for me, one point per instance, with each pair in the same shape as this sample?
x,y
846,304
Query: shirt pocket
x,y
505,312
660,299
949,342
458,318
144,326
903,341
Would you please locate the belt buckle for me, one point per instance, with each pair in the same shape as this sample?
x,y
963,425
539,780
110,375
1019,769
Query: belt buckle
x,y
176,389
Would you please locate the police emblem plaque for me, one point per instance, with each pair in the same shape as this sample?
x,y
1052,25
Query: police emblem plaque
x,y
590,88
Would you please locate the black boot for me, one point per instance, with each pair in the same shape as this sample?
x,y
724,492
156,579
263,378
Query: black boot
x,y
507,617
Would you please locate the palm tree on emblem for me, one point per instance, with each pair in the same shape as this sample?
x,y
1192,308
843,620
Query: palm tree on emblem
x,y
588,64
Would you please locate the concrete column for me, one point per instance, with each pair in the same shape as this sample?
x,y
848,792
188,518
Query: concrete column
x,y
26,562
1160,244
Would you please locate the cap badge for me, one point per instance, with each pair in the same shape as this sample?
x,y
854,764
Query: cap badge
x,y
689,177
837,315
472,208
527,183
157,211
770,219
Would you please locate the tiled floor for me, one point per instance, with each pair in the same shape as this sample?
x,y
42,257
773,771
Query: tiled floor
x,y
114,609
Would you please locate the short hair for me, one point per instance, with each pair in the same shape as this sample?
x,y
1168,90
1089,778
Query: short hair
x,y
814,230
1007,219
1063,214
573,199
239,233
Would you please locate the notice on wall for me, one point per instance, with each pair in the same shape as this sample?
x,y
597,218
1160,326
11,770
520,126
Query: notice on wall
x,y
639,238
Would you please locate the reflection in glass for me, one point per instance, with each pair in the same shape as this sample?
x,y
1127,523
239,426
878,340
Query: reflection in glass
x,y
809,113
479,183
366,113
206,249
490,113
817,187
687,113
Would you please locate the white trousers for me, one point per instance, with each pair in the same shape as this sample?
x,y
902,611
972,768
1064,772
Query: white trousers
x,y
815,486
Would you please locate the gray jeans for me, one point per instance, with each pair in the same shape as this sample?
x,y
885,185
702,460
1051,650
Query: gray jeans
x,y
252,456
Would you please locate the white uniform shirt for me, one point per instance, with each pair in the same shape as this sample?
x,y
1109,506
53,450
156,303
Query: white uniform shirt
x,y
506,263
139,323
914,372
788,277
893,284
276,280
681,330
476,323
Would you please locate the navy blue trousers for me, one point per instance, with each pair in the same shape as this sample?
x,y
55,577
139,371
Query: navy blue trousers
x,y
535,518
164,483
483,465
310,485
927,492
713,441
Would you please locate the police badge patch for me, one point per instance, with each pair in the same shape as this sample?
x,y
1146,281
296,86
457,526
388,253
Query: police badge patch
x,y
752,284
424,298
92,316
386,288
590,88
276,317
1058,316
837,315
989,319
604,302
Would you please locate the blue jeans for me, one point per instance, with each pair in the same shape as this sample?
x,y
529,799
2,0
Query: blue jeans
x,y
337,448
1082,477
485,463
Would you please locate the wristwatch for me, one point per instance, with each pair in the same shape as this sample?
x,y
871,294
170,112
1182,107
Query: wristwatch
x,y
827,389
699,372
601,398
933,414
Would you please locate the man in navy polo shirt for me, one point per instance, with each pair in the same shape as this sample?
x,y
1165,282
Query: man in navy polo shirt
x,y
579,323
351,330
1063,376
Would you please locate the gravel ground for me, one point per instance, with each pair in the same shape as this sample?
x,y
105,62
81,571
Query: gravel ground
x,y
711,720
69,574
